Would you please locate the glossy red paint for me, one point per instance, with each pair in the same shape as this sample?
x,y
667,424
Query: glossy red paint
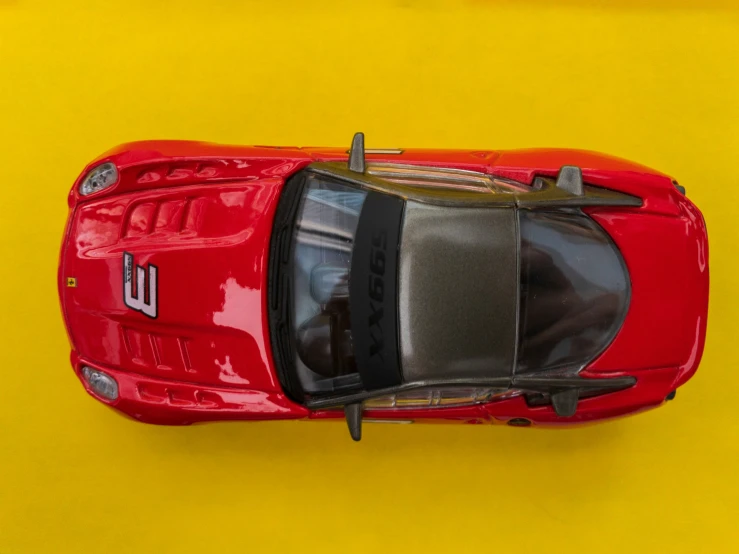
x,y
211,245
666,257
207,219
204,212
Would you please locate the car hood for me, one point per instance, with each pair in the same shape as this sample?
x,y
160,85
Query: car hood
x,y
206,251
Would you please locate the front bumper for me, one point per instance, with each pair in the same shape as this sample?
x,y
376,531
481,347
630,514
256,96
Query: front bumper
x,y
163,402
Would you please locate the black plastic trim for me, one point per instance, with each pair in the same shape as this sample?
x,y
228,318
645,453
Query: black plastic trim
x,y
534,382
279,290
679,187
373,286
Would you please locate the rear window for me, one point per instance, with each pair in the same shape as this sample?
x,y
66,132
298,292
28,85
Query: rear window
x,y
574,291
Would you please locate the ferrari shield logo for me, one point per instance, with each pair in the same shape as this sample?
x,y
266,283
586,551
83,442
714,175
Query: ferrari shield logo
x,y
141,296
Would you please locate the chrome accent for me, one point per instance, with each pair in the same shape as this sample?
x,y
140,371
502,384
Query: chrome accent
x,y
354,397
376,420
469,180
444,397
424,171
394,151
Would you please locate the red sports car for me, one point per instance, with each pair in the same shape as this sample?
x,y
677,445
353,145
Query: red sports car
x,y
201,282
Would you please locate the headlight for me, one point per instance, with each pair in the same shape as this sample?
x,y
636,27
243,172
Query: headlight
x,y
101,383
100,178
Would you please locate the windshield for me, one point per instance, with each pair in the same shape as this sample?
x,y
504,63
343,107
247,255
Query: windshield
x,y
325,228
574,291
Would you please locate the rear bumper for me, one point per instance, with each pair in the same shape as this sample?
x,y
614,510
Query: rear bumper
x,y
667,260
164,402
699,282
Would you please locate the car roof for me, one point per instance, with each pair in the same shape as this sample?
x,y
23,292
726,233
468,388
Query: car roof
x,y
457,292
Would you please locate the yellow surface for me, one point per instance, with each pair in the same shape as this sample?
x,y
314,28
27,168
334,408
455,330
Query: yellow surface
x,y
657,82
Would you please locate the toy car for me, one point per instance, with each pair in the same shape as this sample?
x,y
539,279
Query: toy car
x,y
201,282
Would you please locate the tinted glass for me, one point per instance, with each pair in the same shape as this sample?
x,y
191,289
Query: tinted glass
x,y
324,237
574,291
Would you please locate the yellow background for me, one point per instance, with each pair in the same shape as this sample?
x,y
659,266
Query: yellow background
x,y
654,81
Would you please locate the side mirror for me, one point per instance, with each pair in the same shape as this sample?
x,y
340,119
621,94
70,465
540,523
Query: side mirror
x,y
565,402
353,414
569,179
356,154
